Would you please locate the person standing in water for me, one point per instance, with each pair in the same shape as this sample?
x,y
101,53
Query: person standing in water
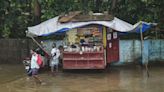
x,y
55,53
34,66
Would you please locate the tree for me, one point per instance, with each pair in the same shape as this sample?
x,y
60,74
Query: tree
x,y
113,6
37,12
17,15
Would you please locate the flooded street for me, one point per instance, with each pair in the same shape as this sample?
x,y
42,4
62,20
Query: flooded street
x,y
115,79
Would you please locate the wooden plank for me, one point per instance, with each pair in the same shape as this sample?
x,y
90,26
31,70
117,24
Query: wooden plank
x,y
67,18
84,18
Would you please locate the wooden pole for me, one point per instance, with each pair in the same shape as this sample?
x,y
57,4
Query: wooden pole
x,y
156,33
142,46
39,45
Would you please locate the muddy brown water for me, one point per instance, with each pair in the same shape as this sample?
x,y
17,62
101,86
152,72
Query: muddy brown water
x,y
114,79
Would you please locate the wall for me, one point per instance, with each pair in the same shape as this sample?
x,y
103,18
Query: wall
x,y
14,50
156,50
130,51
48,44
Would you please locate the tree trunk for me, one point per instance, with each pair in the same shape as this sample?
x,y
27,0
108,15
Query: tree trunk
x,y
98,3
37,12
85,6
113,6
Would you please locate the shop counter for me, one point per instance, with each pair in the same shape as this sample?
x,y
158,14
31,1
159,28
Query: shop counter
x,y
83,60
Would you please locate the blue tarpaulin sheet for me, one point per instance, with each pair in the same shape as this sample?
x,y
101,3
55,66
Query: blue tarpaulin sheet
x,y
144,26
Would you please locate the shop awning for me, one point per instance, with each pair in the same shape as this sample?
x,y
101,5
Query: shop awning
x,y
52,26
145,26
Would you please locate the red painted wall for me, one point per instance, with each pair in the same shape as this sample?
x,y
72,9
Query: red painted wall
x,y
112,46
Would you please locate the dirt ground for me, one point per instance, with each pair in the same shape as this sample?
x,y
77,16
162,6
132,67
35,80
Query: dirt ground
x,y
114,79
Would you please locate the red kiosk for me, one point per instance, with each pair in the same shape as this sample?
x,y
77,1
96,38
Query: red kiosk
x,y
102,43
88,56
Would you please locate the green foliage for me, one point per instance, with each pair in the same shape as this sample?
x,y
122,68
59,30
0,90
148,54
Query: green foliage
x,y
14,18
17,15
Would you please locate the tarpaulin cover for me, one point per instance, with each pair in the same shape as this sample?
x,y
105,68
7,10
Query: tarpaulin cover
x,y
52,26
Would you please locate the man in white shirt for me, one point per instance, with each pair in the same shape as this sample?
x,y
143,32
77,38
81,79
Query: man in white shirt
x,y
55,53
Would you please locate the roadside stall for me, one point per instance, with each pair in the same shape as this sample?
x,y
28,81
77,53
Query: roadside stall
x,y
89,46
91,41
84,49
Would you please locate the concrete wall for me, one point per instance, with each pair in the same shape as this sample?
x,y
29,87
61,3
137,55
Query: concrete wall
x,y
156,50
130,50
48,44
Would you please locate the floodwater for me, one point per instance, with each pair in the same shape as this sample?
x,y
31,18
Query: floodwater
x,y
114,79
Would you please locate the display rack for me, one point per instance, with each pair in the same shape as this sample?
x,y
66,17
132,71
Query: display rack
x,y
85,60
